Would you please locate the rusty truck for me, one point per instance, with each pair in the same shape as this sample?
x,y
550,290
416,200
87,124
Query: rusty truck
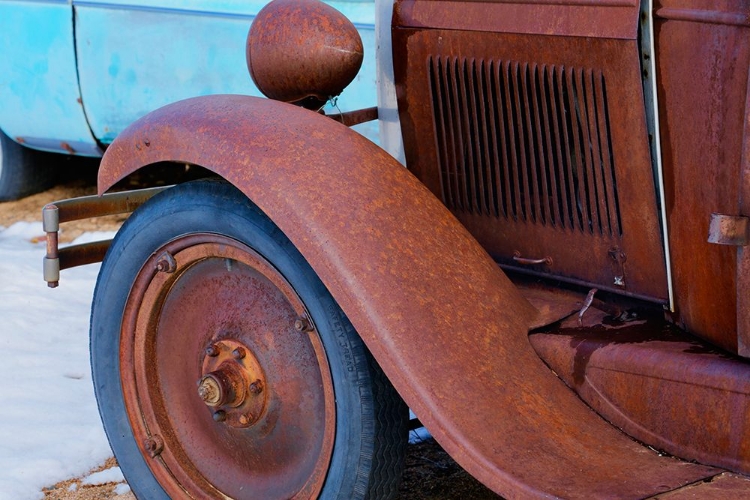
x,y
544,258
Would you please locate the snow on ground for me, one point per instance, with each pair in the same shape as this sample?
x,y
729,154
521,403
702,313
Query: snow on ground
x,y
111,475
49,423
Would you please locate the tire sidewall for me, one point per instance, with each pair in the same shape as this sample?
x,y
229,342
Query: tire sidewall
x,y
217,207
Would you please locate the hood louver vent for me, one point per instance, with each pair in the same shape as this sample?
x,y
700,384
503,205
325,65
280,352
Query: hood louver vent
x,y
525,142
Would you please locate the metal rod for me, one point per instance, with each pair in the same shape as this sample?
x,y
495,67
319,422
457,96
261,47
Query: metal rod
x,y
85,207
351,118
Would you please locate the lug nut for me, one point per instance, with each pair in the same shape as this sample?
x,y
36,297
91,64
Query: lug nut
x,y
220,416
302,325
245,419
256,387
212,350
239,353
153,445
166,263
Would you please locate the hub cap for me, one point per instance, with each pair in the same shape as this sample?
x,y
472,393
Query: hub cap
x,y
225,395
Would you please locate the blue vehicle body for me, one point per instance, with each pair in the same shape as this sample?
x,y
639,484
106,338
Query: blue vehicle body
x,y
73,74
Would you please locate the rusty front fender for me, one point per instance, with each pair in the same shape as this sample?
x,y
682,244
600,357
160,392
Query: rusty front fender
x,y
446,325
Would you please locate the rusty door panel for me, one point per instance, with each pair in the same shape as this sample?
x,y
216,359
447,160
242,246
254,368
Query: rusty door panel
x,y
589,18
427,300
703,58
539,146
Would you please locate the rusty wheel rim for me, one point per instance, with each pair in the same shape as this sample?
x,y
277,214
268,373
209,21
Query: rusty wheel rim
x,y
225,378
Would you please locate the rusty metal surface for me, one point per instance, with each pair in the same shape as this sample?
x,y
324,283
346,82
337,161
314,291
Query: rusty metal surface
x,y
356,117
225,401
85,253
53,214
538,145
302,51
728,230
110,204
722,487
662,387
702,67
552,305
584,18
443,321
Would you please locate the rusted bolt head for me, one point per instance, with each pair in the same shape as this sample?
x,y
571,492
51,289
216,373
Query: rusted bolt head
x,y
239,353
212,350
220,416
153,445
256,387
302,325
209,390
166,263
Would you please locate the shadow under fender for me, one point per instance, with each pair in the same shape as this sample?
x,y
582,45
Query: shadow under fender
x,y
445,324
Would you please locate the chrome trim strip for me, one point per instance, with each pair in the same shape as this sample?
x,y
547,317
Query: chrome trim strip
x,y
648,59
390,127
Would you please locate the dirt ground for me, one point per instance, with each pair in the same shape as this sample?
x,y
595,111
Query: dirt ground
x,y
429,474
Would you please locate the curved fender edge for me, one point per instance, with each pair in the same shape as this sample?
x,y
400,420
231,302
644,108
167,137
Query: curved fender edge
x,y
445,324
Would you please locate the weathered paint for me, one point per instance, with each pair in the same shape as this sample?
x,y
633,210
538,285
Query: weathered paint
x,y
133,57
39,98
137,56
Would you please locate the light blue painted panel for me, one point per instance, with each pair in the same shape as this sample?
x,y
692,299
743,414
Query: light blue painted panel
x,y
38,83
134,59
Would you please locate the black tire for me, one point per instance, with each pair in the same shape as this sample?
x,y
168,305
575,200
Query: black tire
x,y
23,171
371,419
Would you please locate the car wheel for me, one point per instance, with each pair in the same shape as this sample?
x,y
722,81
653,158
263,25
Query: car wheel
x,y
22,171
223,367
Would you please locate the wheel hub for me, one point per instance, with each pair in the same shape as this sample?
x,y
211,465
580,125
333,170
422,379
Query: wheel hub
x,y
232,383
248,381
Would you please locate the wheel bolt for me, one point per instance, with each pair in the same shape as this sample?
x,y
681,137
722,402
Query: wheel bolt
x,y
302,325
256,387
166,263
220,416
245,419
239,353
212,350
153,445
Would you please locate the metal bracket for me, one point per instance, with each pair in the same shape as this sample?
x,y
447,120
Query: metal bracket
x,y
85,207
728,230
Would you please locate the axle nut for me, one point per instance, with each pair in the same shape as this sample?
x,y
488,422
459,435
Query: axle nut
x,y
209,390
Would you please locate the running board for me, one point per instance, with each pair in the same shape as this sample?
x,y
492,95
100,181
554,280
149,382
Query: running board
x,y
660,386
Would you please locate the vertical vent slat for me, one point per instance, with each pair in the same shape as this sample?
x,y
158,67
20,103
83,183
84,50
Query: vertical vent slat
x,y
438,97
600,192
544,194
579,169
511,136
503,134
522,172
525,142
458,135
478,143
587,146
531,146
483,120
547,128
558,114
607,165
